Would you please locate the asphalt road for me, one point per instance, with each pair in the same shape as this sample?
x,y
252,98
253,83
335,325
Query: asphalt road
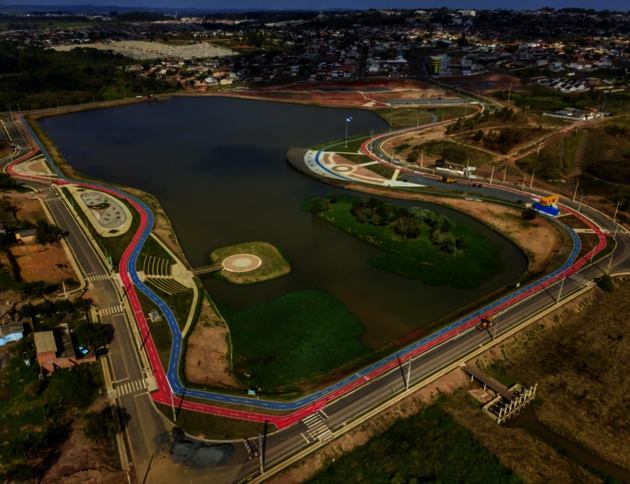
x,y
148,430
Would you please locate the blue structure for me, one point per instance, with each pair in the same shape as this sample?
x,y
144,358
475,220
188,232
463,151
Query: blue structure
x,y
552,210
11,332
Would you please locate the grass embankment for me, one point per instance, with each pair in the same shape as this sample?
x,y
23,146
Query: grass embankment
x,y
454,152
440,252
296,337
606,164
406,117
429,446
580,363
555,160
160,330
113,246
273,264
213,427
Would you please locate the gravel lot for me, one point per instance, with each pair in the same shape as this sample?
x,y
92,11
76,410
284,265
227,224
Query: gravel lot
x,y
150,50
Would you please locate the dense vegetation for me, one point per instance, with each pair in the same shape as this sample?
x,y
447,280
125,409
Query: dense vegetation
x,y
555,160
580,363
48,314
36,78
506,139
420,244
503,114
428,447
298,336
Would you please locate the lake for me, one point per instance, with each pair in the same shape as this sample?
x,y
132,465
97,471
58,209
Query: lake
x,y
219,169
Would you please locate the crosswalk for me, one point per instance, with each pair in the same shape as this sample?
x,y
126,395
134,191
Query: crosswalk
x,y
98,277
131,387
316,426
581,280
112,310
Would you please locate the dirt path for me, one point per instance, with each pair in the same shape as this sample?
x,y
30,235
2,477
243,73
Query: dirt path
x,y
577,170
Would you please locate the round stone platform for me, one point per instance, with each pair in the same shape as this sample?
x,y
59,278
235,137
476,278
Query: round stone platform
x,y
241,263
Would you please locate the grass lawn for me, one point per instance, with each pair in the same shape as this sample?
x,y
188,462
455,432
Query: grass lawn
x,y
419,258
296,337
429,446
401,118
455,153
160,330
555,160
153,248
273,264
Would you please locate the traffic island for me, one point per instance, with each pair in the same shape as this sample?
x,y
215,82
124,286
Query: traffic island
x,y
250,262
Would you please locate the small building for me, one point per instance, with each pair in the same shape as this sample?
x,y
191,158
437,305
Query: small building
x,y
26,236
11,332
55,349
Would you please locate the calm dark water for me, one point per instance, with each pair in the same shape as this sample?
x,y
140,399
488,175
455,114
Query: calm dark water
x,y
218,167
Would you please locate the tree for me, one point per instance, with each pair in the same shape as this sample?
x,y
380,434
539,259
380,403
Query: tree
x,y
412,157
92,335
408,227
607,283
479,135
320,205
46,233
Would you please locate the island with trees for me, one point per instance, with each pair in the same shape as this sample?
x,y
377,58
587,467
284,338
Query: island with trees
x,y
418,243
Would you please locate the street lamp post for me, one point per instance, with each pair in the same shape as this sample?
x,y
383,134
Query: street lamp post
x,y
491,174
531,183
505,173
560,292
577,184
580,206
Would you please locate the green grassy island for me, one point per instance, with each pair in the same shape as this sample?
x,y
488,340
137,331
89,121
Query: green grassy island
x,y
420,244
273,264
296,337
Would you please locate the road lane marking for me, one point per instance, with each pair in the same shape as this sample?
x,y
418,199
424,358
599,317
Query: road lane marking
x,y
307,441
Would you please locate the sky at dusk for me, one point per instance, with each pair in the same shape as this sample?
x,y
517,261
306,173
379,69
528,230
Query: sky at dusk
x,y
622,5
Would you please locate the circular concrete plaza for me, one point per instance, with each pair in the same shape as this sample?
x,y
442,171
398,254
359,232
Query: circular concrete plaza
x,y
241,263
344,168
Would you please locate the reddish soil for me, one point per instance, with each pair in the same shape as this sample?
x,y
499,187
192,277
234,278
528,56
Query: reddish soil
x,y
47,263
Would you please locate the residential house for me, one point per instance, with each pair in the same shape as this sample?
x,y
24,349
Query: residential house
x,y
55,349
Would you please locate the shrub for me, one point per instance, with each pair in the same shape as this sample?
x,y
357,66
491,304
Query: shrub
x,y
607,283
529,214
100,426
320,205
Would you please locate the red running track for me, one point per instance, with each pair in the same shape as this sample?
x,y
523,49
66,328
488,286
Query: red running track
x,y
165,395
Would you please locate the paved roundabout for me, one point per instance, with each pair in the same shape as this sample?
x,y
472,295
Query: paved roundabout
x,y
241,263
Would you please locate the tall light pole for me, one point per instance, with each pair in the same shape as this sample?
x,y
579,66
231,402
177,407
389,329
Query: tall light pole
x,y
510,92
580,206
577,184
491,174
421,158
531,183
505,174
560,292
539,145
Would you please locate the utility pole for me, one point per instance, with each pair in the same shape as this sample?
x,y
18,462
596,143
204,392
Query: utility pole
x,y
510,92
539,144
560,292
65,293
173,405
580,206
496,323
262,460
531,183
408,374
421,158
577,184
523,185
491,174
372,140
504,173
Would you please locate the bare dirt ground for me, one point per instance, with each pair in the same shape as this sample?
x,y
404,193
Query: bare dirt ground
x,y
207,356
539,239
47,263
5,149
82,460
26,209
